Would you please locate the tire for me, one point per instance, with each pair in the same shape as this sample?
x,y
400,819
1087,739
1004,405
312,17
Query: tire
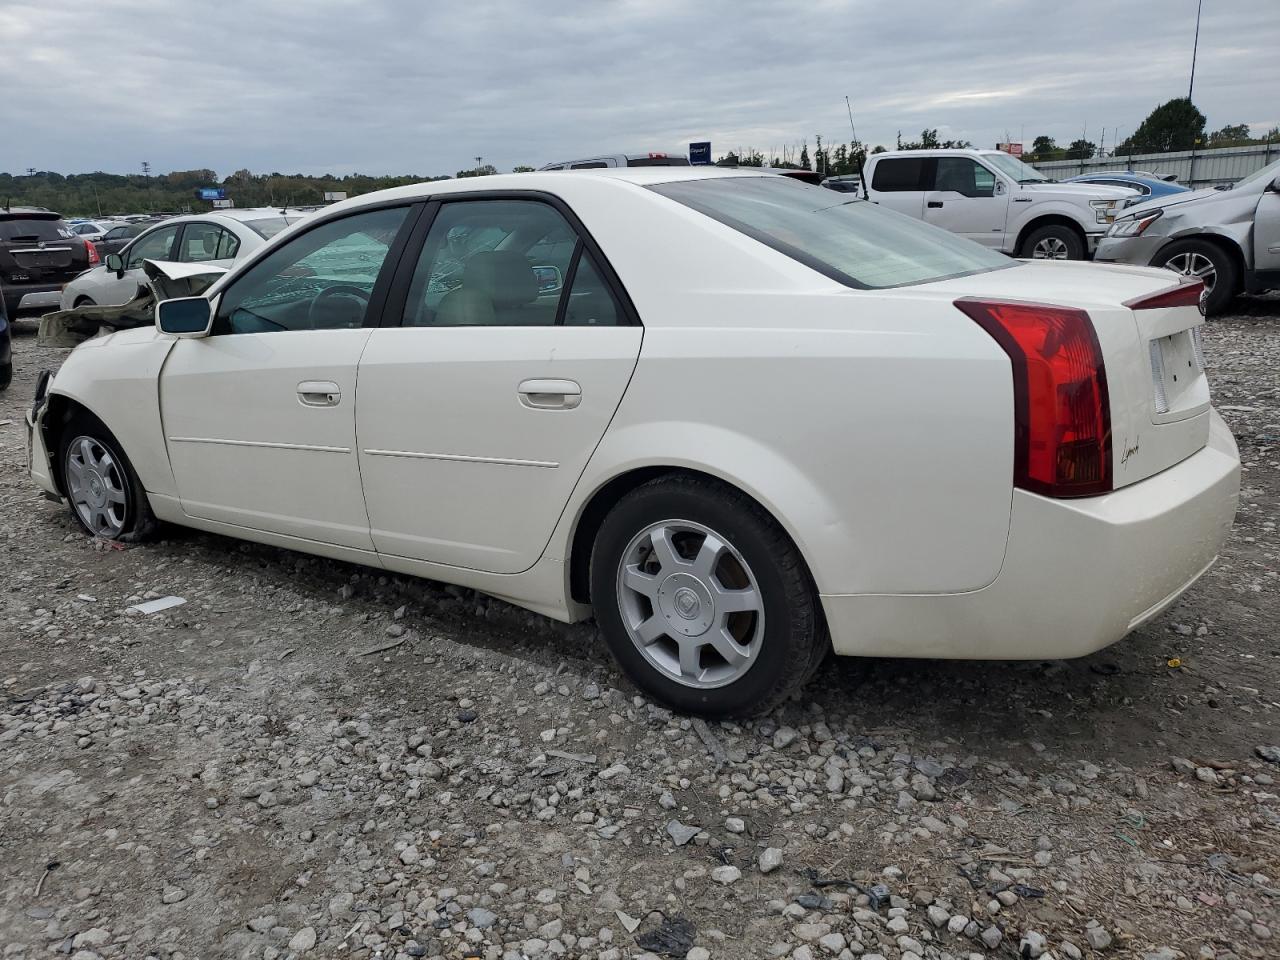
x,y
776,639
106,499
1053,241
1209,262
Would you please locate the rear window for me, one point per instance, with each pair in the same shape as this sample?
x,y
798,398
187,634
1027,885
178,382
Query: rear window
x,y
33,230
657,162
852,241
268,227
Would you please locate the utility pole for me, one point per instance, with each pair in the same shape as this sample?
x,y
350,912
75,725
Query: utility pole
x,y
1195,47
146,169
478,159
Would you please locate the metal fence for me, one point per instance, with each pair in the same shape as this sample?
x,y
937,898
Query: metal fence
x,y
1193,168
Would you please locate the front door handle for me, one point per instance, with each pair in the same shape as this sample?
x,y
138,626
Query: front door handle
x,y
549,394
935,204
319,393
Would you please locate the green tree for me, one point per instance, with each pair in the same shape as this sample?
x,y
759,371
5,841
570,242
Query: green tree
x,y
1232,135
1044,148
1081,150
804,156
487,170
1175,125
522,169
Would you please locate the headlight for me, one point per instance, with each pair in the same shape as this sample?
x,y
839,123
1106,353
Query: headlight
x,y
1134,226
1105,210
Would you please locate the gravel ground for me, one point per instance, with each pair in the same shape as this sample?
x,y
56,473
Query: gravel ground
x,y
250,775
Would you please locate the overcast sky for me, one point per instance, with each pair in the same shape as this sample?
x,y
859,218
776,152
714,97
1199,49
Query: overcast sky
x,y
420,86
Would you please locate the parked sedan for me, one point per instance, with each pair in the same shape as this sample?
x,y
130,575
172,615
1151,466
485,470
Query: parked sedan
x,y
1148,186
213,238
91,229
744,424
120,233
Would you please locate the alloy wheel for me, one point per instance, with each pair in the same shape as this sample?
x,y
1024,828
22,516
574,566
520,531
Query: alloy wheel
x,y
690,604
1192,264
97,487
1050,248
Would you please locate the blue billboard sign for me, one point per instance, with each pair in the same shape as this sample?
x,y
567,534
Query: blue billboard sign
x,y
211,193
700,153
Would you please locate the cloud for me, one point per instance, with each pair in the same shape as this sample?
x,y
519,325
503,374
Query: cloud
x,y
418,86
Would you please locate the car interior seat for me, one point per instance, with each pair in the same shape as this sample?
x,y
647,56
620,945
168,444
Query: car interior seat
x,y
497,289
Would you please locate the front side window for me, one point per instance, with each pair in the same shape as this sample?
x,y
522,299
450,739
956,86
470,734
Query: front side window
x,y
116,233
964,176
854,242
320,280
899,174
157,245
503,263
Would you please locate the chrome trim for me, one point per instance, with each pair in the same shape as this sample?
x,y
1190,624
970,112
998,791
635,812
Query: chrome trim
x,y
459,458
317,448
42,250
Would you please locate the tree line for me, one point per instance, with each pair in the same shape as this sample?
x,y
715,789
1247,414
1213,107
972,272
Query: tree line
x,y
1172,126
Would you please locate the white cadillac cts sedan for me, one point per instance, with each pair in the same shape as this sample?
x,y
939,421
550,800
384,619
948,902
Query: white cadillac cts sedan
x,y
743,420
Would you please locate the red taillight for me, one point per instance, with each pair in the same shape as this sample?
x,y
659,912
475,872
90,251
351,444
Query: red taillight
x,y
657,156
1185,294
92,251
1062,413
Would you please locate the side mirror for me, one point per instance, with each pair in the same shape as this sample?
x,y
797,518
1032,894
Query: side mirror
x,y
999,188
115,262
189,317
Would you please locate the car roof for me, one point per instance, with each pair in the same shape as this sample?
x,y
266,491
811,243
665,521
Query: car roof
x,y
28,213
549,180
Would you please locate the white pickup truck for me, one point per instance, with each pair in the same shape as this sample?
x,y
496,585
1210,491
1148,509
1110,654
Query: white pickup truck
x,y
995,199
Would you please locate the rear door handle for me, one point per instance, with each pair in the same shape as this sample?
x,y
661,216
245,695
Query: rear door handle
x,y
935,204
549,394
319,393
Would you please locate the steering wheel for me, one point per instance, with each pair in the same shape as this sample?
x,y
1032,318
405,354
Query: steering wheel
x,y
322,303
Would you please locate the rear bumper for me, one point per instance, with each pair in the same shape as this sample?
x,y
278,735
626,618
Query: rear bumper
x,y
35,296
1078,574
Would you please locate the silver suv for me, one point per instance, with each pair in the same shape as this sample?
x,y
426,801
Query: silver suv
x,y
1228,238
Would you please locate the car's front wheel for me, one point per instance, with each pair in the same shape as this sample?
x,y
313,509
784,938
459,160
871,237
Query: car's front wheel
x,y
102,488
1055,241
1209,263
704,599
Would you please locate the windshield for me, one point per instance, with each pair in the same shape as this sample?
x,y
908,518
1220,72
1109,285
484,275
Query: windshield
x,y
854,242
1013,167
268,227
1269,172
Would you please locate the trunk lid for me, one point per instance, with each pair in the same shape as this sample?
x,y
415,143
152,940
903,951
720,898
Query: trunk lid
x,y
1159,394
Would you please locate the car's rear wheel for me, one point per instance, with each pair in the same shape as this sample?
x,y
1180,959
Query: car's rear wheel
x,y
704,599
1054,241
1209,263
104,492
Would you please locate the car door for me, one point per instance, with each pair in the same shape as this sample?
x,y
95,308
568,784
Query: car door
x,y
899,183
259,416
480,403
968,199
159,243
1266,229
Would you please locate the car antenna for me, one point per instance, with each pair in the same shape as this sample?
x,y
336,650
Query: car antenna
x,y
862,181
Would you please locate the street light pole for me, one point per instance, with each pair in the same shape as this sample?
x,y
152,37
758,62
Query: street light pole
x,y
1195,47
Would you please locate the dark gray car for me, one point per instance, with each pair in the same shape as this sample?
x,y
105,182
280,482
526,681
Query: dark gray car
x,y
1229,238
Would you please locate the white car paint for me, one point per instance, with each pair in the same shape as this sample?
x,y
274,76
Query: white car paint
x,y
1010,212
875,425
104,287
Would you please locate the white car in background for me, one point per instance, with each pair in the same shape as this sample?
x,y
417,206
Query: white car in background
x,y
742,421
217,239
93,230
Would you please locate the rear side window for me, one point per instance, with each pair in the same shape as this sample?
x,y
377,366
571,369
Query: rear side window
x,y
853,242
34,230
900,173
